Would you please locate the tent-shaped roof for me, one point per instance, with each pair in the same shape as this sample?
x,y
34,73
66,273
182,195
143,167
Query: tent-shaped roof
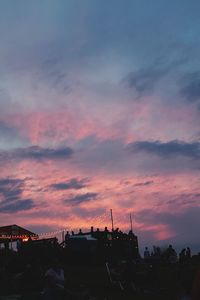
x,y
15,232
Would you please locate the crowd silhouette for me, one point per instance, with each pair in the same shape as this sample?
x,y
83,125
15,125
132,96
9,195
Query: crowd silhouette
x,y
42,269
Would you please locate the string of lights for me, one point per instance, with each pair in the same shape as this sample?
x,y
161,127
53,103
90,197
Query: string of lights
x,y
98,221
52,233
16,236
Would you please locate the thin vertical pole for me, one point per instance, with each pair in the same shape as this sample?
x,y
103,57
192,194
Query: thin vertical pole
x,y
11,241
63,236
131,222
111,215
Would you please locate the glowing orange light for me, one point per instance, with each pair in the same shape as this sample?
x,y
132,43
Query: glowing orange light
x,y
25,240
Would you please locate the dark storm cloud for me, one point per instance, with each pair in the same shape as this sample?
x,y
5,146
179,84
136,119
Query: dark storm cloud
x,y
168,149
81,198
191,87
16,206
73,183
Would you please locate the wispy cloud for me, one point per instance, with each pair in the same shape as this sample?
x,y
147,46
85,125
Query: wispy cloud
x,y
73,183
82,198
144,183
11,188
145,80
37,153
167,149
69,120
190,89
12,200
17,206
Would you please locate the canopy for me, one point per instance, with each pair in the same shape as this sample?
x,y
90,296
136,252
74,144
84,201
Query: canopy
x,y
15,232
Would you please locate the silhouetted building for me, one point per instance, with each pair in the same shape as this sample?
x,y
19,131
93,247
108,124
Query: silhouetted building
x,y
15,233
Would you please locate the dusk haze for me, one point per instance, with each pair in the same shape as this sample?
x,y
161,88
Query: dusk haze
x,y
100,110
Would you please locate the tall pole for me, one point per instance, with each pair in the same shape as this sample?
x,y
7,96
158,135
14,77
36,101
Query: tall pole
x,y
63,236
131,222
11,240
111,215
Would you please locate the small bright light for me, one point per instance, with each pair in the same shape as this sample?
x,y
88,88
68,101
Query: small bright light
x,y
25,240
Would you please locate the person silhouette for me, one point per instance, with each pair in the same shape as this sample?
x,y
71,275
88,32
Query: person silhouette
x,y
188,253
54,279
80,232
146,253
182,255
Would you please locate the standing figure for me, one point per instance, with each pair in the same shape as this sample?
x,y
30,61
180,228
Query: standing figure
x,y
146,253
54,279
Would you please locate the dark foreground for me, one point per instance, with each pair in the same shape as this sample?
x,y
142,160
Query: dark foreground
x,y
110,271
92,282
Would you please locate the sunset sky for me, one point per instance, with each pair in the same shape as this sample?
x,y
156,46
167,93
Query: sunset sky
x,y
100,109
